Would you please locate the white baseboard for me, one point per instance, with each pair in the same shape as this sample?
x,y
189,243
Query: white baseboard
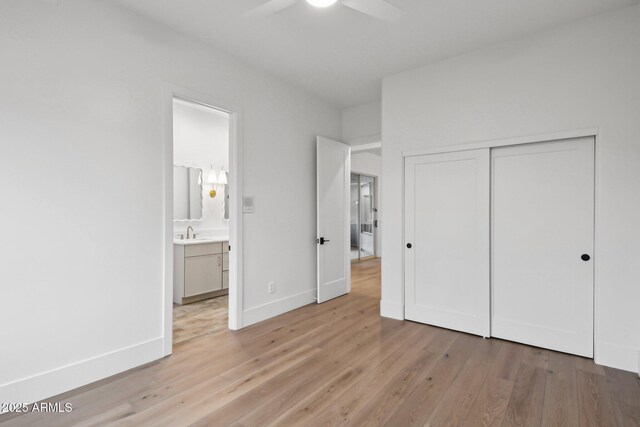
x,y
274,308
392,310
617,356
56,381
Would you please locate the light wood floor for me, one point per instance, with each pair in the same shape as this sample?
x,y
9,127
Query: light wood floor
x,y
340,363
200,318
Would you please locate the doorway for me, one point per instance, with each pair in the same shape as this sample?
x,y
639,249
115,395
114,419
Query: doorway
x,y
363,213
203,247
201,219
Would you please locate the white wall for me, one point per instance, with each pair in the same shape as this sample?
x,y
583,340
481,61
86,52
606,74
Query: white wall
x,y
371,164
201,140
366,162
578,76
81,180
362,124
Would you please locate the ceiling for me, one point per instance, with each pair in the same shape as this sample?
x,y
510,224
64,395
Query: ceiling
x,y
341,55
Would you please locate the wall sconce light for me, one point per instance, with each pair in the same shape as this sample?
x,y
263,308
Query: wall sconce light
x,y
212,179
215,179
222,178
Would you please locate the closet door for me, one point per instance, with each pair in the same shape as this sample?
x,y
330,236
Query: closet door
x,y
542,244
447,240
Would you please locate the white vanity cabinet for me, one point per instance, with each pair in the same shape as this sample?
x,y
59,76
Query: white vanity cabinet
x,y
200,271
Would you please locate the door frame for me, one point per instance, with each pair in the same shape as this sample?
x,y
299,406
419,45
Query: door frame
x,y
169,92
593,132
375,233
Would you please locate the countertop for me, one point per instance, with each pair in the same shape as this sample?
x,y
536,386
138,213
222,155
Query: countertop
x,y
200,240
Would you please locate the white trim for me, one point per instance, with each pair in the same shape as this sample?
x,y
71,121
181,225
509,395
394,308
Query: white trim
x,y
366,147
392,310
403,253
364,174
169,92
554,136
236,228
60,380
274,308
596,237
617,356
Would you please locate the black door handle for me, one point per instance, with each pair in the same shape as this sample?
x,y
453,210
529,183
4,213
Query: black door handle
x,y
409,245
322,240
585,257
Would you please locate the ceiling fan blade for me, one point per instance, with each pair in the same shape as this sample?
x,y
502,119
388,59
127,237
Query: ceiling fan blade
x,y
272,6
377,8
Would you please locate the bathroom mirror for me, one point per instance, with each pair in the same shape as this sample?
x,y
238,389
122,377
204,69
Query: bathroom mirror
x,y
187,193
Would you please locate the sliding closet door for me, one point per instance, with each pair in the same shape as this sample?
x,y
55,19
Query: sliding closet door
x,y
447,240
542,244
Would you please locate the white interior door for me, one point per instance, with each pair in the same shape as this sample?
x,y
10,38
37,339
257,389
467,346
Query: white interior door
x,y
333,239
447,240
542,244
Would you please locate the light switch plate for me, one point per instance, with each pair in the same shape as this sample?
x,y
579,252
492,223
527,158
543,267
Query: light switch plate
x,y
247,204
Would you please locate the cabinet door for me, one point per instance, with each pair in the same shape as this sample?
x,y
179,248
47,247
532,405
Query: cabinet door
x,y
202,274
203,249
225,262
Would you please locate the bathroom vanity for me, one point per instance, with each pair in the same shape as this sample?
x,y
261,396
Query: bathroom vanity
x,y
200,269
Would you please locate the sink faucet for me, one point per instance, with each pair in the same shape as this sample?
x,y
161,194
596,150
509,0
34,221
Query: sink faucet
x,y
189,228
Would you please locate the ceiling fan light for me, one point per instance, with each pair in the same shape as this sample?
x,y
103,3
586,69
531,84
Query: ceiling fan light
x,y
321,3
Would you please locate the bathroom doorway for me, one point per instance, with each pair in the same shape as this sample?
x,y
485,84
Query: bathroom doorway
x,y
203,226
201,219
364,220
